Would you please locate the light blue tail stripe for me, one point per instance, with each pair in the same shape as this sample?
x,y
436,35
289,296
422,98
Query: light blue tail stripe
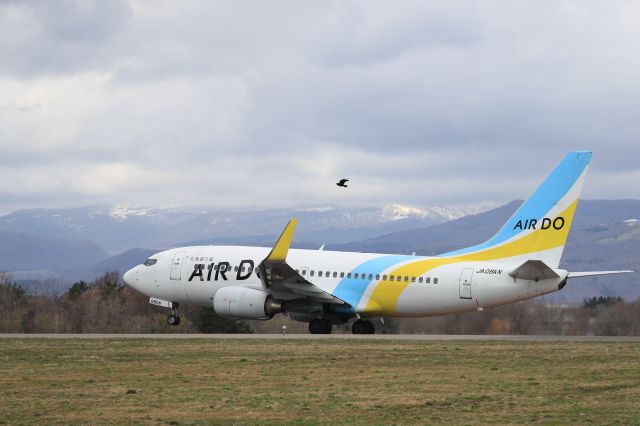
x,y
559,182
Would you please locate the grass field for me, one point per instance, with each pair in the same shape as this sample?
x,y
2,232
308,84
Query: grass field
x,y
309,381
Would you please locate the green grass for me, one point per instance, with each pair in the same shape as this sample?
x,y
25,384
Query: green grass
x,y
325,381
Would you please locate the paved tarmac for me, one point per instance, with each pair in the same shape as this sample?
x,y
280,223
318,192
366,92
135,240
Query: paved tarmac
x,y
424,337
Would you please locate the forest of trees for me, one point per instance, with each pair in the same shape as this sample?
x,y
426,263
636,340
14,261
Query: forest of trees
x,y
107,306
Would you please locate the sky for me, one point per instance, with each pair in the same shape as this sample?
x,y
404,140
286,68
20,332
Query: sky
x,y
268,104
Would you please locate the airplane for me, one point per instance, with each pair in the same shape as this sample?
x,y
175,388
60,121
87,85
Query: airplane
x,y
326,288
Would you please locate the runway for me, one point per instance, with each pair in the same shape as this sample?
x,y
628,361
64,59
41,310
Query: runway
x,y
386,337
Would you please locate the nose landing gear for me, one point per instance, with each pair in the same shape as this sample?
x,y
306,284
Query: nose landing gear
x,y
174,319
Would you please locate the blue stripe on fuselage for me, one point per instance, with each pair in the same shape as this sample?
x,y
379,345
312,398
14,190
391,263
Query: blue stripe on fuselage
x,y
351,290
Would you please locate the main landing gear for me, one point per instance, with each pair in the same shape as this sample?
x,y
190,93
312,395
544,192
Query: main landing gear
x,y
363,327
324,326
174,319
320,326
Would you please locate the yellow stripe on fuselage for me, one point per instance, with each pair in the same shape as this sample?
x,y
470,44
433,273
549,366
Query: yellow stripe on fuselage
x,y
385,297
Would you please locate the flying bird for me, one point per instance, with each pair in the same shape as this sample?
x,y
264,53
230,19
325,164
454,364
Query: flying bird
x,y
342,183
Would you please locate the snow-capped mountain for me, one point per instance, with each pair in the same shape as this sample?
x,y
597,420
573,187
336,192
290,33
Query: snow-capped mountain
x,y
123,226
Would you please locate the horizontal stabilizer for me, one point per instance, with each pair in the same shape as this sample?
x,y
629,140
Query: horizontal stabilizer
x,y
534,270
594,273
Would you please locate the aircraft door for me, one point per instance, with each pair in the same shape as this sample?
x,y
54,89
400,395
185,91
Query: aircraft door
x,y
176,266
465,283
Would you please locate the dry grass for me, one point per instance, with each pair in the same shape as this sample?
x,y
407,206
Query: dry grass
x,y
307,381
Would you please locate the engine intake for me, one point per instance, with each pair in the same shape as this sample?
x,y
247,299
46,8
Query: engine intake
x,y
245,303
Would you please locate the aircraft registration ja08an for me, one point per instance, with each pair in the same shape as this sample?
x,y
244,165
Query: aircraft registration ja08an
x,y
325,288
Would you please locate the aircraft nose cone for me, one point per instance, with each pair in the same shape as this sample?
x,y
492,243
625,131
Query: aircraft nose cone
x,y
130,277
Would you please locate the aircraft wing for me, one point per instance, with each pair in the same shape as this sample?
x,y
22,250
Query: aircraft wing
x,y
282,281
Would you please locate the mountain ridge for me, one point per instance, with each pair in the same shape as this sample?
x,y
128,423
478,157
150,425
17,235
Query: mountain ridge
x,y
119,227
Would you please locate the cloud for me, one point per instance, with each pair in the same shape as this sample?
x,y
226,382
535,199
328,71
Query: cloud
x,y
267,103
62,37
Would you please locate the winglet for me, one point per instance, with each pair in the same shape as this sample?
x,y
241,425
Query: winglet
x,y
279,251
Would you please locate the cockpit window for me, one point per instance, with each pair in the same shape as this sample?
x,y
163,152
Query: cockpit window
x,y
150,262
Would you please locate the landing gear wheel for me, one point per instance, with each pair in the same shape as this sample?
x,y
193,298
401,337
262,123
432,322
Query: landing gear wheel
x,y
363,327
320,326
174,319
369,327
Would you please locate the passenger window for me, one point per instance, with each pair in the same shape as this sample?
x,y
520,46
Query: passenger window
x,y
297,271
348,274
390,277
341,274
311,273
413,279
435,281
384,278
320,273
235,268
363,276
327,274
355,276
377,276
420,280
427,280
406,279
335,275
371,276
304,272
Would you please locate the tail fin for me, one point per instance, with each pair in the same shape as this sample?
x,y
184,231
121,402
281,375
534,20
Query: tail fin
x,y
539,228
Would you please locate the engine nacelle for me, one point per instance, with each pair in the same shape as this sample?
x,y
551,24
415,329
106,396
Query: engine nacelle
x,y
245,303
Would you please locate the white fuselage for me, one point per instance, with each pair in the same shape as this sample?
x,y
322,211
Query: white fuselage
x,y
194,275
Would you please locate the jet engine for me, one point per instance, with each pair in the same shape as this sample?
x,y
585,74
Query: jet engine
x,y
245,303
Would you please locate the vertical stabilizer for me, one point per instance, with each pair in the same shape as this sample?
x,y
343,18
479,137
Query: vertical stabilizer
x,y
539,228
